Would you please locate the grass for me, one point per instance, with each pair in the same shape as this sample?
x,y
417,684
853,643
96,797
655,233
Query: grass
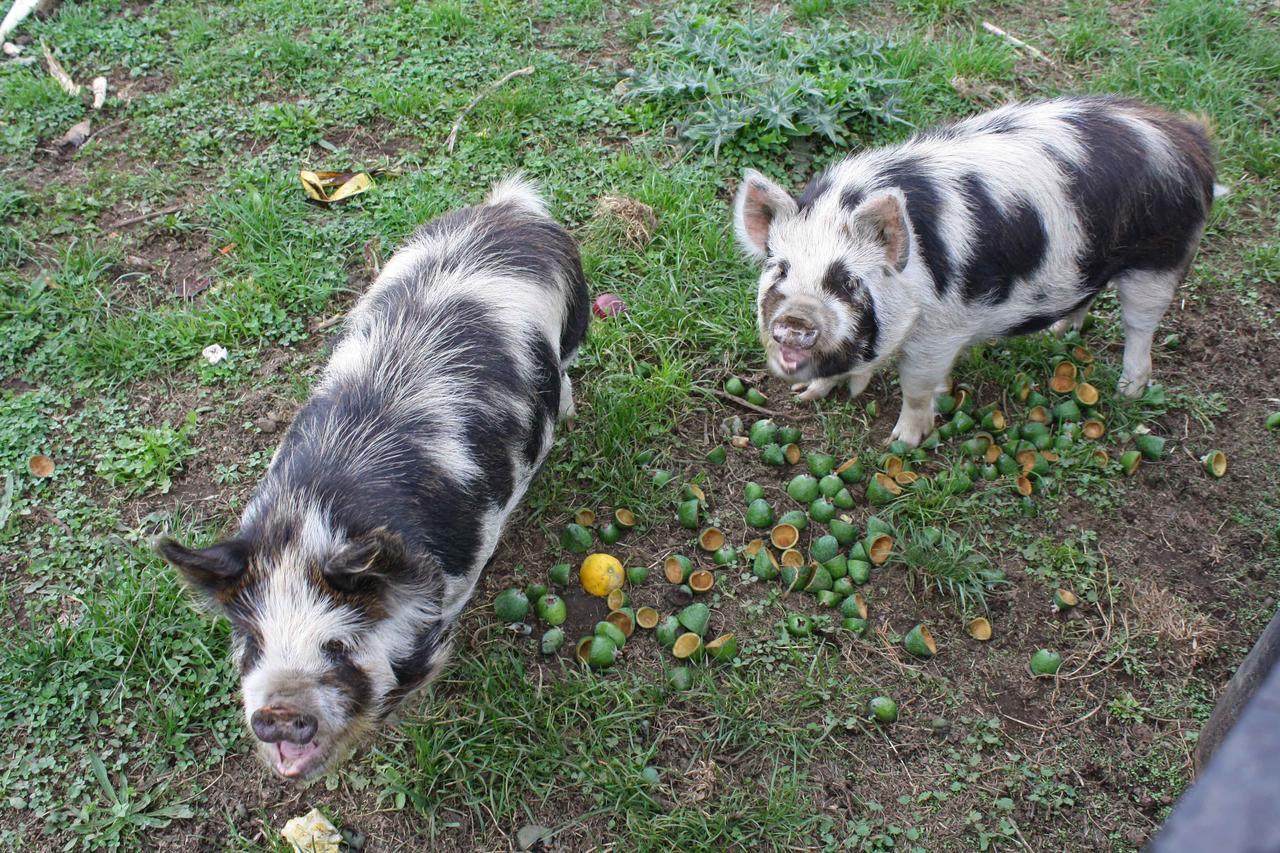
x,y
122,702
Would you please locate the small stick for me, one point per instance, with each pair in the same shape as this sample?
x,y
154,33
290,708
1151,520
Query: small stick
x,y
738,400
57,72
457,125
155,214
1016,42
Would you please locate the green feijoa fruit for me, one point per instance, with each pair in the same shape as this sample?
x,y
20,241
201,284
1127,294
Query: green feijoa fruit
x,y
1063,443
1033,428
717,455
899,448
884,709
945,404
602,652
829,485
796,577
932,536
688,647
882,489
796,518
695,618
1045,662
755,397
534,591
1013,433
947,431
687,514
854,624
859,571
645,457
637,575
612,631
1273,421
788,435
798,625
854,605
820,464
559,574
1035,398
1215,464
970,469
661,477
1066,411
773,456
844,532
667,631
679,679
843,585
989,472
920,642
843,499
819,580
763,567
735,386
726,555
974,447
963,422
610,533
876,524
824,548
763,433
1129,461
511,605
1007,465
576,539
931,441
958,484
822,510
837,567
802,489
852,471
872,408
752,491
552,640
827,598
858,551
1150,446
551,609
760,514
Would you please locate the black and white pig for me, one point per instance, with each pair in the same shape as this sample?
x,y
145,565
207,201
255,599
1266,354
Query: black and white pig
x,y
388,493
1005,223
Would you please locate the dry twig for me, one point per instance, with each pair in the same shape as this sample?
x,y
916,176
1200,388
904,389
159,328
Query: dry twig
x,y
457,125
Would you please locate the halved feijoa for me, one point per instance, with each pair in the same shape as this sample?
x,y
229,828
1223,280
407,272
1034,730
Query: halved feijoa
x,y
920,642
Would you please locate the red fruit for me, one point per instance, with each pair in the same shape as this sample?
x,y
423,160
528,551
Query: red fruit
x,y
607,305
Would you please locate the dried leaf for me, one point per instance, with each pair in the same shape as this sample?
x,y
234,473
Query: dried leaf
x,y
329,187
373,256
71,87
40,466
99,87
227,249
75,137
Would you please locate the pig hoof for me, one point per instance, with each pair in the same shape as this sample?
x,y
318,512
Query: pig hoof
x,y
1060,328
911,430
1131,389
815,390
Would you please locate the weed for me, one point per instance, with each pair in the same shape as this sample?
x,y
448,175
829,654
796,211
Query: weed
x,y
146,458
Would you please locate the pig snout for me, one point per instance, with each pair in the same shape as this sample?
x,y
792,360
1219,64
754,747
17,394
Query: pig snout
x,y
794,333
277,723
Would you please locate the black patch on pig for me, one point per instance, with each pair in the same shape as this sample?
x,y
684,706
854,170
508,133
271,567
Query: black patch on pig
x,y
924,209
347,678
546,396
769,304
868,330
851,198
1030,323
1008,245
412,669
839,284
1135,217
813,191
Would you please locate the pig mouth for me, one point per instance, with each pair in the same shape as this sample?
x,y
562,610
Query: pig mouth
x,y
793,359
296,760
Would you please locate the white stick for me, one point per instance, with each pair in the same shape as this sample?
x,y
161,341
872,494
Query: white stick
x,y
457,125
16,14
71,87
99,92
1015,41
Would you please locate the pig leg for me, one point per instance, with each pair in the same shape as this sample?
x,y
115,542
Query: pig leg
x,y
567,410
858,381
816,389
1074,320
1144,296
920,375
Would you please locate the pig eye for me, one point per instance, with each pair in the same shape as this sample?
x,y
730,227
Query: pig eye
x,y
781,267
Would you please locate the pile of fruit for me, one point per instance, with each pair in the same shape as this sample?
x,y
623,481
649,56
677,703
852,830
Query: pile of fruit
x,y
814,546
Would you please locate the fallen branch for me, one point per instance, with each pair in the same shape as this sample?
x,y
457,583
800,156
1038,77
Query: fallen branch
x,y
737,400
452,140
1016,42
155,214
57,72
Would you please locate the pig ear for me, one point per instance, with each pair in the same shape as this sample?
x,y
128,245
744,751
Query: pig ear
x,y
882,220
366,561
760,204
211,570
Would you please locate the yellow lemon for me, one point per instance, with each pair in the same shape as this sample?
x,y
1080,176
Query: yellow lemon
x,y
601,574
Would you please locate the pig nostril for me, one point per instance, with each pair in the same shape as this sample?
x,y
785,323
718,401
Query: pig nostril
x,y
304,728
272,725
